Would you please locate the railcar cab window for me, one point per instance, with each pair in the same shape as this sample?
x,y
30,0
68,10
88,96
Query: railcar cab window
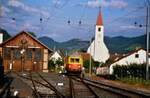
x,y
72,60
76,60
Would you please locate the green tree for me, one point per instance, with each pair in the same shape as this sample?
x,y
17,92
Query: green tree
x,y
51,65
32,33
6,35
59,62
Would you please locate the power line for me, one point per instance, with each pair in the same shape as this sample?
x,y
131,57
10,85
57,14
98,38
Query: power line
x,y
127,14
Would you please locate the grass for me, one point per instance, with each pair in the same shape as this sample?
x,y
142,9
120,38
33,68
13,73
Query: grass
x,y
135,81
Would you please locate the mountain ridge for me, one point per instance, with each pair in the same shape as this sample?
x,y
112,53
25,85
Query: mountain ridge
x,y
118,44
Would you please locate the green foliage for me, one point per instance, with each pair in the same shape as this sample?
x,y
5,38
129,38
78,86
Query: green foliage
x,y
32,33
132,70
59,62
136,80
51,65
108,62
55,65
96,64
86,64
6,35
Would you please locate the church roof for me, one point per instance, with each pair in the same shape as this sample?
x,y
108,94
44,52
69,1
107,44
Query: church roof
x,y
99,19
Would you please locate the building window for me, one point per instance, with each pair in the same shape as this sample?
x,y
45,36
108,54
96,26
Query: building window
x,y
17,54
7,53
38,54
99,29
29,54
136,55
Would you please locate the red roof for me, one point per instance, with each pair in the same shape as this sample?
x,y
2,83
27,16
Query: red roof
x,y
99,19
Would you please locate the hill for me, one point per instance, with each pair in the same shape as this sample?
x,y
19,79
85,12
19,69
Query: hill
x,y
118,44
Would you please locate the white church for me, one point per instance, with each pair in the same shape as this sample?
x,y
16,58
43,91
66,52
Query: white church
x,y
98,49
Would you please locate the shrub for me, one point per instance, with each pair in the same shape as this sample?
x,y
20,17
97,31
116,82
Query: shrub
x,y
132,70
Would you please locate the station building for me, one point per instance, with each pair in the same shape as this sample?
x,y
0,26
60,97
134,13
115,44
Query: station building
x,y
24,52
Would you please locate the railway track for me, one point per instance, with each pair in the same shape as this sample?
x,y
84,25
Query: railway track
x,y
79,89
126,93
112,91
41,87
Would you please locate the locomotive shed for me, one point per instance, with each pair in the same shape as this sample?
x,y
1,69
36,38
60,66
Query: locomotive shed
x,y
24,52
58,86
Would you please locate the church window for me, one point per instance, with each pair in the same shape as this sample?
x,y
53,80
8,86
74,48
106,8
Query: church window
x,y
99,29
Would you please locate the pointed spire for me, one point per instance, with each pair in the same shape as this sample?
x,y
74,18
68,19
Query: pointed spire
x,y
99,18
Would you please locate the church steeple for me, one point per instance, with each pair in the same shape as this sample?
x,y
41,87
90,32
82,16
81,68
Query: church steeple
x,y
99,19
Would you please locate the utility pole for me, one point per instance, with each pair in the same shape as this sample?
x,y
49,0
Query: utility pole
x,y
147,32
90,65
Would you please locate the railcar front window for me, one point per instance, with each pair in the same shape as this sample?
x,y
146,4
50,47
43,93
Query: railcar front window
x,y
77,60
72,60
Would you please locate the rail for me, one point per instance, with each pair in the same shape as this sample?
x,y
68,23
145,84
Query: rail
x,y
121,91
36,93
84,83
50,86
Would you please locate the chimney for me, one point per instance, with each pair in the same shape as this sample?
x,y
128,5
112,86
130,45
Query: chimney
x,y
1,37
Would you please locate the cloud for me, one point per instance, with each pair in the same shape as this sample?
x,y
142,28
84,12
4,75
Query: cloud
x,y
15,3
4,10
104,3
29,26
56,2
114,3
130,27
93,4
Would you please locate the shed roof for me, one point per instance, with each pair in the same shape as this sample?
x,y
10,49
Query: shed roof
x,y
23,32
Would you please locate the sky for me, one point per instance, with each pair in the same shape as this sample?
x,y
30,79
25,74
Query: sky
x,y
50,17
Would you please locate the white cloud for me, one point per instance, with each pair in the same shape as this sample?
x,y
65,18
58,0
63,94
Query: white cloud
x,y
56,2
93,4
104,3
114,3
4,10
28,26
16,3
130,27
